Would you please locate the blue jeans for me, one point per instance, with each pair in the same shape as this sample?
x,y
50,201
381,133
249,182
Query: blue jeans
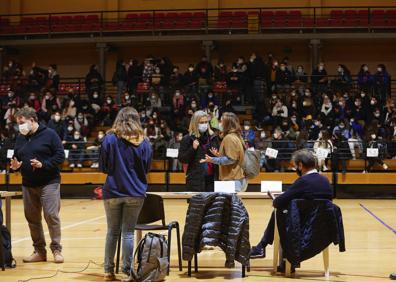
x,y
122,215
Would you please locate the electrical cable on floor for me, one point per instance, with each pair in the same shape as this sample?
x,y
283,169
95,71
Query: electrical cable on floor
x,y
62,271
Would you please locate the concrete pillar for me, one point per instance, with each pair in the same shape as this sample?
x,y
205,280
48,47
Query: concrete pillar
x,y
208,46
102,49
315,45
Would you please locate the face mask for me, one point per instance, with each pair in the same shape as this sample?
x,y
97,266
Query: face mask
x,y
95,96
339,69
76,137
293,94
274,97
321,68
305,104
357,104
32,97
10,94
177,94
100,136
108,101
57,118
127,97
153,97
157,71
377,115
320,135
246,127
342,126
373,136
154,116
293,120
193,105
175,70
262,135
202,127
143,115
362,95
25,128
379,69
210,96
372,102
316,123
190,69
276,135
365,68
283,68
221,128
307,93
240,61
70,128
341,104
300,70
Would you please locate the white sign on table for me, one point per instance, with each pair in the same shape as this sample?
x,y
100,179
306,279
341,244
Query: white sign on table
x,y
224,186
271,186
10,154
172,153
66,154
322,153
272,153
372,152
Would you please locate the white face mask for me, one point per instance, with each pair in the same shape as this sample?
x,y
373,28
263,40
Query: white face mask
x,y
76,137
202,127
379,69
362,94
321,68
246,127
100,136
262,135
95,96
365,68
221,128
190,69
57,118
373,136
25,128
70,128
372,102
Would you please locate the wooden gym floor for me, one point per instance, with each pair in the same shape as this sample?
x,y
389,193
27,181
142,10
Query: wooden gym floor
x,y
370,256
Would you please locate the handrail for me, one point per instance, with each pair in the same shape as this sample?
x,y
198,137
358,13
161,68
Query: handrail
x,y
201,9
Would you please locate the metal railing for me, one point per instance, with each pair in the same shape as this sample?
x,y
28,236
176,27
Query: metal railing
x,y
202,21
342,156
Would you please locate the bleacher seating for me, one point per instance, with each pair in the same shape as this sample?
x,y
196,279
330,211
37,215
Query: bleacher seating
x,y
187,20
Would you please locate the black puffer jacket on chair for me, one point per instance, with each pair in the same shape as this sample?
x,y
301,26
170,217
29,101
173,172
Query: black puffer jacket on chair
x,y
217,219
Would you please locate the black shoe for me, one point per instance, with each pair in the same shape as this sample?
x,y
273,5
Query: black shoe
x,y
282,268
392,276
257,252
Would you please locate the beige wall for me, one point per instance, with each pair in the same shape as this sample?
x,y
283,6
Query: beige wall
x,y
74,61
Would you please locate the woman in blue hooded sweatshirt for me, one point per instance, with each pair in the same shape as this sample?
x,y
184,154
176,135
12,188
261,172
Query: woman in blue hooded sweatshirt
x,y
125,157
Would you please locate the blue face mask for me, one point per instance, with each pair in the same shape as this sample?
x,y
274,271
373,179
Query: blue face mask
x,y
202,127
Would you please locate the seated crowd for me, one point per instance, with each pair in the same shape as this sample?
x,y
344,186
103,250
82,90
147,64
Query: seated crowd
x,y
291,110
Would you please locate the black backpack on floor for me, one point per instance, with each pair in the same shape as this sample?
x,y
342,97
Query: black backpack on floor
x,y
9,260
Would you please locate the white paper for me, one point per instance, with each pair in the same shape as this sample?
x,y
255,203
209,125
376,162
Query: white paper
x,y
224,186
172,153
272,186
66,154
10,154
372,152
322,153
272,153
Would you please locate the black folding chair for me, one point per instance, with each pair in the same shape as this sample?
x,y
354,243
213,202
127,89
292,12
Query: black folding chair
x,y
153,211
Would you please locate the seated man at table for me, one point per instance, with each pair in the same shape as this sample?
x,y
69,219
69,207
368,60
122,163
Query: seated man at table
x,y
310,185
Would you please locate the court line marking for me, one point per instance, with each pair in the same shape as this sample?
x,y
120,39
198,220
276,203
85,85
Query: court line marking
x,y
377,218
63,228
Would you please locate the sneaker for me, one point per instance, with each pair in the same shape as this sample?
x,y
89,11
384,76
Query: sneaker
x,y
385,166
109,277
325,168
392,276
72,165
58,258
35,257
95,165
364,171
257,252
79,165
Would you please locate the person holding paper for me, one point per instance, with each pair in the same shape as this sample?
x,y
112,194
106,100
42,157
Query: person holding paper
x,y
193,147
310,185
38,153
375,156
230,157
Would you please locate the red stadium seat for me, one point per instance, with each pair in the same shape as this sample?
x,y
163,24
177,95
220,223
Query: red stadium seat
x,y
92,18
